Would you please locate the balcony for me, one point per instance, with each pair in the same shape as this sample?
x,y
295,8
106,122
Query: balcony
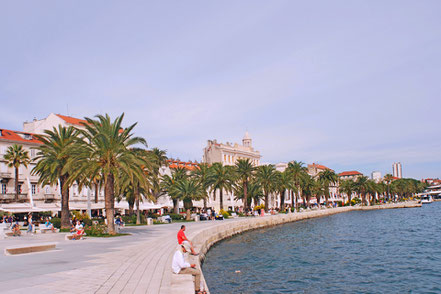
x,y
49,197
7,175
10,197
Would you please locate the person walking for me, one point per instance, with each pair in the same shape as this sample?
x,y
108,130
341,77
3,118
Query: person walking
x,y
181,267
30,225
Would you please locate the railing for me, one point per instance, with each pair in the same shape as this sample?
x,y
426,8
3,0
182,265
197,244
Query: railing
x,y
5,175
10,197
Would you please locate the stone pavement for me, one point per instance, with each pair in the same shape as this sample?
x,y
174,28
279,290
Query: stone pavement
x,y
139,263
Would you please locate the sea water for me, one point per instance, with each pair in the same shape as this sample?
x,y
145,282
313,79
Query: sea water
x,y
376,251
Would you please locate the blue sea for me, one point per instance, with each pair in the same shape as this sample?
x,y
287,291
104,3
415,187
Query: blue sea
x,y
377,251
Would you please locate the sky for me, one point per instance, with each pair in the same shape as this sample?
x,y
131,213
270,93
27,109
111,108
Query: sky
x,y
353,85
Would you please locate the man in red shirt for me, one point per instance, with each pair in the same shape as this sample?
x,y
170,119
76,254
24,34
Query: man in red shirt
x,y
183,239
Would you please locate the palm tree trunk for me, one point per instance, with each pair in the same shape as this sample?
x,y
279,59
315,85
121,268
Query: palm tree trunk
x,y
349,198
292,199
109,195
16,184
245,195
317,197
65,215
138,214
266,201
221,199
282,200
175,205
96,192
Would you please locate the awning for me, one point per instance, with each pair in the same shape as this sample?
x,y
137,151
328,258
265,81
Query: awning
x,y
142,206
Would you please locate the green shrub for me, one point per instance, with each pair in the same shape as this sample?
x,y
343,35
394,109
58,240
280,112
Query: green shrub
x,y
224,213
175,216
56,221
87,221
95,230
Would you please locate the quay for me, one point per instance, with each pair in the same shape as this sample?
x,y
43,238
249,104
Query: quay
x,y
138,263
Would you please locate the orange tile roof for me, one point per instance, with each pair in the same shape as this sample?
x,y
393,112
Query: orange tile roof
x,y
350,173
15,136
319,166
185,164
72,120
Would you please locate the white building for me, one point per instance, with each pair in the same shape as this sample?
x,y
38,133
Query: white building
x,y
229,153
53,120
397,170
376,176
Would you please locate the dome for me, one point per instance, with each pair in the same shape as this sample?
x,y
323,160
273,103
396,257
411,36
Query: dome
x,y
247,136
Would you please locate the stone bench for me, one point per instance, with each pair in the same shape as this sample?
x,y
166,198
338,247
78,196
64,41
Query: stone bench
x,y
43,230
182,284
30,248
70,237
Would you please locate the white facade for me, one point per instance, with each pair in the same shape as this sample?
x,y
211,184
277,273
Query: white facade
x,y
44,197
229,153
48,123
397,170
376,176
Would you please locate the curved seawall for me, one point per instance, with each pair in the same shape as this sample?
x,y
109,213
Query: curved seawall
x,y
204,238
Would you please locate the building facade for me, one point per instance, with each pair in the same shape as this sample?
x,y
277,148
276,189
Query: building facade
x,y
229,153
31,194
350,175
376,176
397,170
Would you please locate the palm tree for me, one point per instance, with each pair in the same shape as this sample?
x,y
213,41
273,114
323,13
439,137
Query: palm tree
x,y
188,189
15,157
169,183
388,179
297,170
52,159
266,175
137,187
362,187
244,170
255,192
105,150
282,184
221,178
347,187
159,158
327,177
310,187
202,174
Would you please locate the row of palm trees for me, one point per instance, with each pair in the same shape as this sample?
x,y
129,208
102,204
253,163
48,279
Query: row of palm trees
x,y
104,155
101,155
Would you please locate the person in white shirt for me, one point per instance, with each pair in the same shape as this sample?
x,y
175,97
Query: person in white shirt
x,y
180,266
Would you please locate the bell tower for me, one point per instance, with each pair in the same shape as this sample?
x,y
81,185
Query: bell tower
x,y
246,141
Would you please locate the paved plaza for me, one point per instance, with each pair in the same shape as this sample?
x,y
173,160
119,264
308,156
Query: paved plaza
x,y
126,264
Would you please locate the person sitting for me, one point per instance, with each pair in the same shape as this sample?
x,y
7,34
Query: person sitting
x,y
49,225
183,239
181,267
79,231
16,229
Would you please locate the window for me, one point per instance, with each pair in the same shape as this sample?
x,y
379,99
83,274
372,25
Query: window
x,y
34,189
19,188
33,153
3,188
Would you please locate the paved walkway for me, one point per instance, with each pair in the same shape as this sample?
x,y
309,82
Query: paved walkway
x,y
127,264
139,263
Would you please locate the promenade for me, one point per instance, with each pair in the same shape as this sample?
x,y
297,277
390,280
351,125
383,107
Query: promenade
x,y
139,263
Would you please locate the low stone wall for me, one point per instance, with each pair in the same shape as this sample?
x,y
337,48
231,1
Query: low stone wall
x,y
205,238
